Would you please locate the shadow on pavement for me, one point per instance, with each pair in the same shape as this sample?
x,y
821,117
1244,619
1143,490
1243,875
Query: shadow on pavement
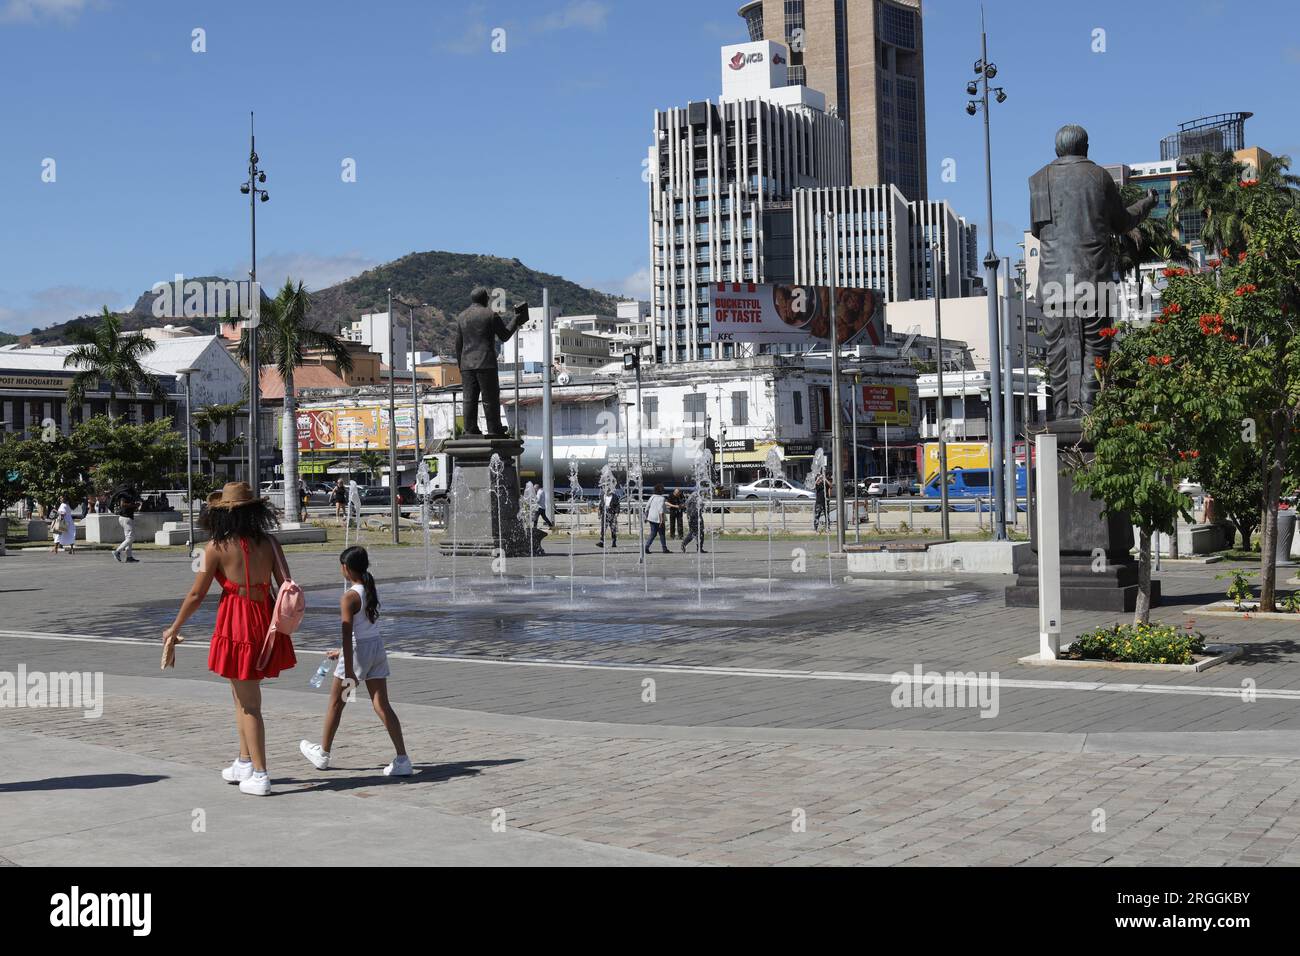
x,y
434,773
91,781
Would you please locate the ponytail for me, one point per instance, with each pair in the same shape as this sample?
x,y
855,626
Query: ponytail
x,y
372,597
357,560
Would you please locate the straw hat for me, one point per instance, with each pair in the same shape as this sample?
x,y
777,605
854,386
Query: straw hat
x,y
235,494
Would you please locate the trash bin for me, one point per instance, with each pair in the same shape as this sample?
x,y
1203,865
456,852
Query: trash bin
x,y
1285,532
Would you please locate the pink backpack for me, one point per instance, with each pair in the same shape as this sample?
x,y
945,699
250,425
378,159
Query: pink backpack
x,y
287,615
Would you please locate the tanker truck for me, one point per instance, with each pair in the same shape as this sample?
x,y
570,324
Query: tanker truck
x,y
670,463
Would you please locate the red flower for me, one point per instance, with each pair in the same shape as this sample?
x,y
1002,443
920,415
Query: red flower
x,y
1232,338
1214,263
1153,360
1099,362
1173,308
1241,257
1174,271
1248,183
1166,359
1108,333
1245,289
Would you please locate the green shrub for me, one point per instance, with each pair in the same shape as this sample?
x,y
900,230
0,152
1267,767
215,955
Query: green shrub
x,y
1139,644
1239,588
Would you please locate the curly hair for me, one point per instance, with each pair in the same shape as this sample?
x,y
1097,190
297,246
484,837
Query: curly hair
x,y
252,522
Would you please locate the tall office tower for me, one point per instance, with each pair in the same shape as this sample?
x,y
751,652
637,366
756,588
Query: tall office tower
x,y
867,56
722,178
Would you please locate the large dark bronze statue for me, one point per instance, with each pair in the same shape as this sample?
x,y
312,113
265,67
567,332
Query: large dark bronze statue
x,y
478,329
1075,209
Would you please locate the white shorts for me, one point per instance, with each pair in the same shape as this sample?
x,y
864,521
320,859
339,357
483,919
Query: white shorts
x,y
369,660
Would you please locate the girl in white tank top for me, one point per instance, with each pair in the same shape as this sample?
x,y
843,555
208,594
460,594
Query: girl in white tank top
x,y
361,659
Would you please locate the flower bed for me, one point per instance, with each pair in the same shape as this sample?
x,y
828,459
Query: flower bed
x,y
1138,644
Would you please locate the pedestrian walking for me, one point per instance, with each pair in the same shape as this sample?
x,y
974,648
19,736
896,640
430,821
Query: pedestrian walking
x,y
540,514
63,527
821,495
128,503
695,521
610,503
245,647
654,514
676,504
339,498
361,659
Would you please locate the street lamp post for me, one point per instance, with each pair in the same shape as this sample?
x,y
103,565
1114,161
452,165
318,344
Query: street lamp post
x,y
1024,356
392,420
632,359
837,439
986,71
853,405
184,375
935,260
1008,397
252,189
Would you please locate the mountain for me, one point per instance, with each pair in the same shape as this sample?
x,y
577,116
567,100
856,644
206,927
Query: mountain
x,y
438,282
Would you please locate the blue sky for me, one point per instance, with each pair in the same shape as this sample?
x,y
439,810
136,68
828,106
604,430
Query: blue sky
x,y
535,152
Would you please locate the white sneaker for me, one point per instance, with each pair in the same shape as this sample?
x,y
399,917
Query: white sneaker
x,y
319,758
237,772
400,767
257,785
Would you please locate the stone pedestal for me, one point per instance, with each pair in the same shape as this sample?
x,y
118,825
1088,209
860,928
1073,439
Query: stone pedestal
x,y
1097,571
486,515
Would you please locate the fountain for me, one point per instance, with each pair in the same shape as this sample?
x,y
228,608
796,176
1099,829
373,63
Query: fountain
x,y
528,521
819,472
608,484
496,468
424,490
773,468
575,495
703,469
353,508
634,479
458,491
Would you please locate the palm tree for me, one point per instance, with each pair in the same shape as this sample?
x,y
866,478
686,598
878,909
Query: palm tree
x,y
1154,240
1211,188
211,417
284,337
105,354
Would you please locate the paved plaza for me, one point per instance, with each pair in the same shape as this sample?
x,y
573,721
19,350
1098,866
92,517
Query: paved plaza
x,y
691,714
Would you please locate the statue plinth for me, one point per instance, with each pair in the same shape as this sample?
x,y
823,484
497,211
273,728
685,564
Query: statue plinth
x,y
1097,571
485,516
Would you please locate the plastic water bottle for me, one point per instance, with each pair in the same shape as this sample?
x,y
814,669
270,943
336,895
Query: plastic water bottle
x,y
322,672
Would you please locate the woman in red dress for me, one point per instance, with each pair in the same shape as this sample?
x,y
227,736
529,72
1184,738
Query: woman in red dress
x,y
244,558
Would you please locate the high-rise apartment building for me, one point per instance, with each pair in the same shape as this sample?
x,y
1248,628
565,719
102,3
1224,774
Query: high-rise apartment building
x,y
867,57
884,242
722,178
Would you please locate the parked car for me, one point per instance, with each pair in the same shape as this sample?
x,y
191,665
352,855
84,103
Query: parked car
x,y
883,487
779,489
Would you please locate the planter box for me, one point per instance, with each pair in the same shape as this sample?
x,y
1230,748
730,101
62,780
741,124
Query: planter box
x,y
106,529
4,534
1192,539
1214,654
38,530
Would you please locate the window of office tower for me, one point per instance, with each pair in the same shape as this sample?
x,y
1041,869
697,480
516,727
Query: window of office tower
x,y
796,75
898,26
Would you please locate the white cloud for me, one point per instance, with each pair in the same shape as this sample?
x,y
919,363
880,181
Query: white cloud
x,y
315,272
30,11
634,286
46,307
579,14
471,32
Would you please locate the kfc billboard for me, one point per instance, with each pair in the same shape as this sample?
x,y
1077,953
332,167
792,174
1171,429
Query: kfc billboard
x,y
750,312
